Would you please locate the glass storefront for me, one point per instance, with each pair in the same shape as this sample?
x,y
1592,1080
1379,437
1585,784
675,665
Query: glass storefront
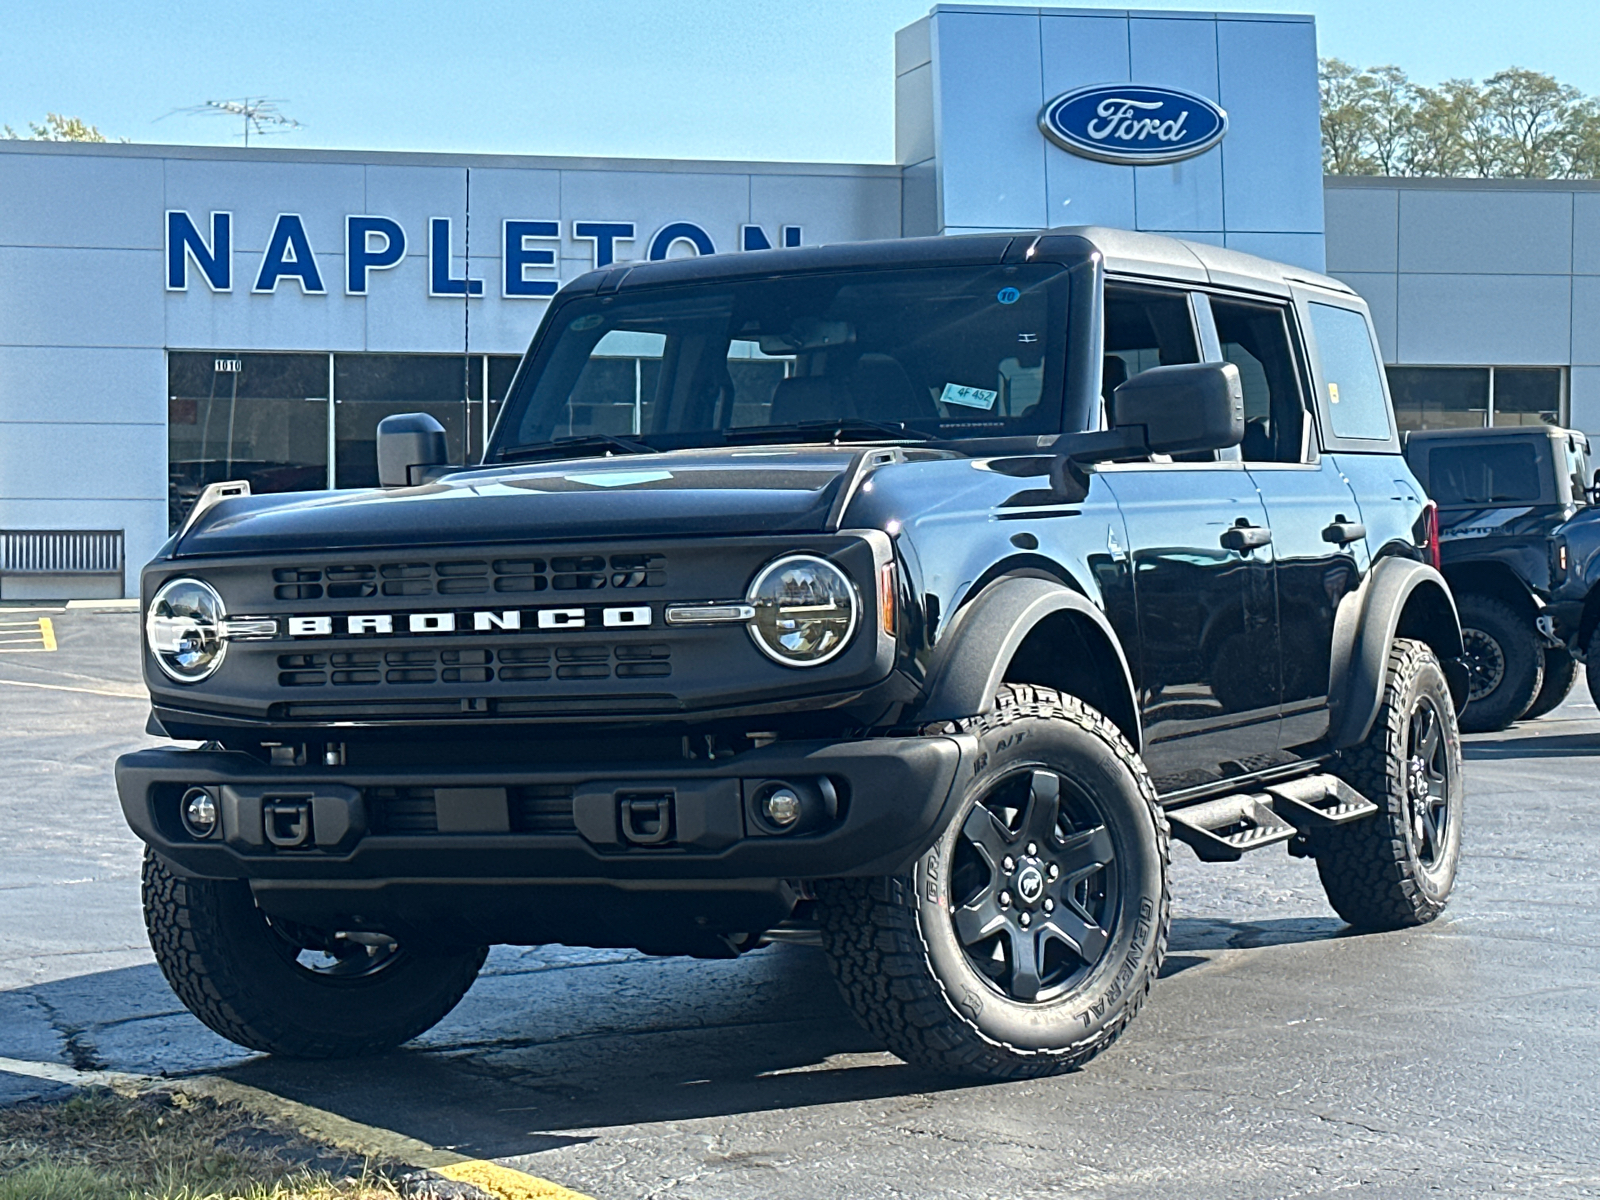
x,y
266,418
1476,397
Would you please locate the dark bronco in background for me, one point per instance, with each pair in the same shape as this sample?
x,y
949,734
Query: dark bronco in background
x,y
903,598
1521,549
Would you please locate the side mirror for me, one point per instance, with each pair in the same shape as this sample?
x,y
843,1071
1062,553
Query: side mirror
x,y
407,444
1165,410
1183,409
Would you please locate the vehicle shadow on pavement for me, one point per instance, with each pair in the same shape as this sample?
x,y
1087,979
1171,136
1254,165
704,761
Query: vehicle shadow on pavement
x,y
1532,745
549,1043
1192,934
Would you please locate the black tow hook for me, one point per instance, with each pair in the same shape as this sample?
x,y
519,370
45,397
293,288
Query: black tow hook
x,y
288,823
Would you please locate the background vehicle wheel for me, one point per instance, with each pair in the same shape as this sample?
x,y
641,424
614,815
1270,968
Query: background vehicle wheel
x,y
1396,868
1560,673
287,990
1026,939
1504,661
1591,669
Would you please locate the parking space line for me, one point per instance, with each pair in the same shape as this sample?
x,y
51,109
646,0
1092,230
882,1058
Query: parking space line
x,y
366,1140
62,687
36,635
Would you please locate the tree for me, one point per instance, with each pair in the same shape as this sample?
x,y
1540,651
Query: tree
x,y
1517,124
57,128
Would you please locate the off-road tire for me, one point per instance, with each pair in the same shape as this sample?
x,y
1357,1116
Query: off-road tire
x,y
1522,661
217,951
891,955
1373,869
1591,668
1560,674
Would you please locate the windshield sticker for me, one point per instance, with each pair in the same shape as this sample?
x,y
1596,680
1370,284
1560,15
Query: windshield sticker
x,y
968,397
620,478
1008,295
592,321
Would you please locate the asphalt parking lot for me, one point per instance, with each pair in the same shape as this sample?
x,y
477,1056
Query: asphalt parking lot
x,y
1280,1056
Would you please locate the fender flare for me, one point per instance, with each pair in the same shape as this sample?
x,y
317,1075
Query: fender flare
x,y
1366,624
970,660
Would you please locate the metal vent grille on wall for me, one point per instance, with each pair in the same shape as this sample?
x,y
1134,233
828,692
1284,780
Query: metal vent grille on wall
x,y
61,552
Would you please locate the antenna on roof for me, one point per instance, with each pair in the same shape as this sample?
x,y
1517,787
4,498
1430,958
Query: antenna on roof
x,y
258,114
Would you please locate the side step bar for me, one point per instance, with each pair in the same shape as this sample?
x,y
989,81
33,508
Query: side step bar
x,y
1222,830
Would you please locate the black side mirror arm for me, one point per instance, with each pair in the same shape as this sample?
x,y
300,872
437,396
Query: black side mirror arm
x,y
1069,480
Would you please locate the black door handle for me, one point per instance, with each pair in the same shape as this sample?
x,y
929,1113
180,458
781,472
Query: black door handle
x,y
1245,538
1342,532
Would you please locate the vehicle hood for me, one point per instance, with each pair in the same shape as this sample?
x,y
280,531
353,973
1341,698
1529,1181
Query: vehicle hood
x,y
736,490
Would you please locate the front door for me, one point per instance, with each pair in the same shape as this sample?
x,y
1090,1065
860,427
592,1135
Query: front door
x,y
1203,585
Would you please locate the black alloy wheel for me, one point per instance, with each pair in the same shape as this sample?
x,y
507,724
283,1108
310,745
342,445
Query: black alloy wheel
x,y
1033,886
1396,868
1504,661
1428,784
1028,936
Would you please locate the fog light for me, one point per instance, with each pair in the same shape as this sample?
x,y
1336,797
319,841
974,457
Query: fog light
x,y
782,807
199,813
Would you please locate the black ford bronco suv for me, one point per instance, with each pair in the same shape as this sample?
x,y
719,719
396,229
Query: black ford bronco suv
x,y
1503,494
899,597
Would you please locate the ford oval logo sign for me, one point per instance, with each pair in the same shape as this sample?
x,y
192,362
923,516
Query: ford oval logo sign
x,y
1133,123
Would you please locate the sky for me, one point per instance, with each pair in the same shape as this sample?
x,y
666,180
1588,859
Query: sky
x,y
802,80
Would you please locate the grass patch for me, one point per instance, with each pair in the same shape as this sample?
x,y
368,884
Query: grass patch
x,y
160,1145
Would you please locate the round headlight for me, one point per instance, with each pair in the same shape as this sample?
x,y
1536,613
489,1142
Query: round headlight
x,y
806,610
184,629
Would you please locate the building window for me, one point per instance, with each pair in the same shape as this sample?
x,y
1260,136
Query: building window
x,y
1476,397
257,417
264,418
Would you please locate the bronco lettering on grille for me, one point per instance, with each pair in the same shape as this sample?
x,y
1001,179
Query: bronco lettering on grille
x,y
510,620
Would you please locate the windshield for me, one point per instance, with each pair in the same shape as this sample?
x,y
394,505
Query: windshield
x,y
949,352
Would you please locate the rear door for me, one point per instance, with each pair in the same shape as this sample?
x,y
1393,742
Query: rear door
x,y
1208,659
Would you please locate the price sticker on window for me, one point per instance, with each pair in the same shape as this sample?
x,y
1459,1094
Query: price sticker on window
x,y
968,397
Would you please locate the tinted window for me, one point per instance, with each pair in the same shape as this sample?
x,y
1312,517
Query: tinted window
x,y
1487,473
1255,338
1440,397
1527,395
1357,407
1144,328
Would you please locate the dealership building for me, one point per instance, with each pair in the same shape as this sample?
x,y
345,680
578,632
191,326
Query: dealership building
x,y
171,316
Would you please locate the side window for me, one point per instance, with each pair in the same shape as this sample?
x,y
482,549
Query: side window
x,y
1145,328
1255,338
1350,373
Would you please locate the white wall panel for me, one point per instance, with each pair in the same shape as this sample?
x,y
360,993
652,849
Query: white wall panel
x,y
1486,232
256,191
991,153
913,115
415,195
108,462
1381,292
402,318
53,297
1586,320
81,200
1181,54
828,208
1586,233
1363,228
1585,395
1077,51
1504,319
500,325
1272,156
281,320
59,384
1301,249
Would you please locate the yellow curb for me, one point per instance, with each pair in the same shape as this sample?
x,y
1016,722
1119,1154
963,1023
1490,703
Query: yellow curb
x,y
368,1141
47,633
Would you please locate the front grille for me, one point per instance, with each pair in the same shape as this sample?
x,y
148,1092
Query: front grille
x,y
507,664
534,808
471,577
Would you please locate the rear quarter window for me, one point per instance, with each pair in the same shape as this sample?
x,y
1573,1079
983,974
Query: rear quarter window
x,y
1356,404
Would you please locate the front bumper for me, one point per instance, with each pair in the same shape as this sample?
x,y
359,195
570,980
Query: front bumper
x,y
547,824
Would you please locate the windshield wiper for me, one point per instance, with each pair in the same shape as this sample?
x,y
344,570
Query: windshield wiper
x,y
828,431
592,443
